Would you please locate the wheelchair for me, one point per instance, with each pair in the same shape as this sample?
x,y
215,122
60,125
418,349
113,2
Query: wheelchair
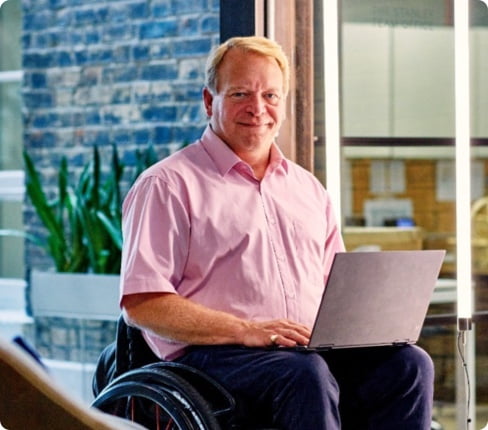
x,y
132,383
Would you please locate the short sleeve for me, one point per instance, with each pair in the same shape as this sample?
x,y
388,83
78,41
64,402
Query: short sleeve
x,y
156,230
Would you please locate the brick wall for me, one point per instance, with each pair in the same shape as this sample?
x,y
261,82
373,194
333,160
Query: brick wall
x,y
124,72
420,179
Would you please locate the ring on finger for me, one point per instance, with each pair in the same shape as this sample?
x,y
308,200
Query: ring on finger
x,y
273,338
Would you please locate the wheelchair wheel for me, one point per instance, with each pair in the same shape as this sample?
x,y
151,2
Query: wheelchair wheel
x,y
157,401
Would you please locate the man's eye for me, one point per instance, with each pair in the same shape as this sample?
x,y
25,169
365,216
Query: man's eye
x,y
238,95
272,97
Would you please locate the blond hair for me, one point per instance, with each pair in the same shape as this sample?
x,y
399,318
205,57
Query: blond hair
x,y
255,44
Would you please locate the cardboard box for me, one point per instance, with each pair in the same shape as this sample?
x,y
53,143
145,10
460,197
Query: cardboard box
x,y
383,238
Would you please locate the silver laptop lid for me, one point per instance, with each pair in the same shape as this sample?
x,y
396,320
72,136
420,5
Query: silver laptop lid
x,y
376,298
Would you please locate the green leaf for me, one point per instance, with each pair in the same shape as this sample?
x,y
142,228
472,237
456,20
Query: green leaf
x,y
83,221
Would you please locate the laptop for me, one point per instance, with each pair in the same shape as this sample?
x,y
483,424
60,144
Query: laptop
x,y
375,299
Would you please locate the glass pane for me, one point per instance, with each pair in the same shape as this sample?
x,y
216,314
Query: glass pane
x,y
11,248
10,126
397,69
398,159
479,208
10,35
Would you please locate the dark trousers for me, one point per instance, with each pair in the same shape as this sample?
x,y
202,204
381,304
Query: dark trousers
x,y
365,388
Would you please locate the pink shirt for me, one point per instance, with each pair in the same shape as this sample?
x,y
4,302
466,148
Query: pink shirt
x,y
199,224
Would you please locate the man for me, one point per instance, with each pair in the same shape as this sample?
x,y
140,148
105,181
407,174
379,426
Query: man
x,y
227,248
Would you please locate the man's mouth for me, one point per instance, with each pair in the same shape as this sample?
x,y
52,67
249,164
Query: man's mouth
x,y
248,124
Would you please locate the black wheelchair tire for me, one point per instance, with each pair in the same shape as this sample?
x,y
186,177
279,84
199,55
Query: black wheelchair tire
x,y
175,396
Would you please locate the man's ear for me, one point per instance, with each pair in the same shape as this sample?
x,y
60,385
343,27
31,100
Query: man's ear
x,y
207,101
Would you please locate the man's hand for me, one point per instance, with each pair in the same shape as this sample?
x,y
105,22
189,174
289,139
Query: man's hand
x,y
277,332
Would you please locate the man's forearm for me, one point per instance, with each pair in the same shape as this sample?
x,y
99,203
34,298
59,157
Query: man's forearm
x,y
175,317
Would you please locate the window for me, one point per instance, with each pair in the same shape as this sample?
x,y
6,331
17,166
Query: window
x,y
11,173
395,146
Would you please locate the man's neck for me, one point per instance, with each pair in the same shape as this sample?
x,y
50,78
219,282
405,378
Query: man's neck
x,y
257,162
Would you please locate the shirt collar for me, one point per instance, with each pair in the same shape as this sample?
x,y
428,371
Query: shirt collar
x,y
225,159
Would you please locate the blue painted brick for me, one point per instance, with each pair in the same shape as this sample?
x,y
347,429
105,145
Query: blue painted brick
x,y
78,119
127,12
92,37
38,21
210,24
163,134
161,49
45,120
121,95
89,76
117,32
120,74
92,117
64,18
77,160
141,136
189,26
187,92
214,5
164,94
188,48
159,72
111,117
121,54
57,4
187,134
100,56
75,37
37,60
121,137
26,40
191,113
63,59
140,53
81,57
41,140
161,9
158,29
38,100
139,10
90,16
44,40
84,17
188,6
159,113
96,137
66,119
38,80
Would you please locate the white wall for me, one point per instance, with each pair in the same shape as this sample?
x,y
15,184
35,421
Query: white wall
x,y
399,81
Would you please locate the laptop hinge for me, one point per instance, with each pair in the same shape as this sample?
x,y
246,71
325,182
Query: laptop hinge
x,y
326,346
401,342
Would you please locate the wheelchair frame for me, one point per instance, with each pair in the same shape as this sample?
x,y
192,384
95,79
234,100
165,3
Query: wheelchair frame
x,y
132,383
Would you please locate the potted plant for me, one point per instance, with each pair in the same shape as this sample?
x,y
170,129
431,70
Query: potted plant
x,y
84,239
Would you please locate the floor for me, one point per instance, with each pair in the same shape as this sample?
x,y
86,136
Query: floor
x,y
445,415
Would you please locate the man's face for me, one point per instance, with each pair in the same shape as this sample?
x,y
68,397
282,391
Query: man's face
x,y
249,107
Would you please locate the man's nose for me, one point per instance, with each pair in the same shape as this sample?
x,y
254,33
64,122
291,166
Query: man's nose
x,y
256,105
